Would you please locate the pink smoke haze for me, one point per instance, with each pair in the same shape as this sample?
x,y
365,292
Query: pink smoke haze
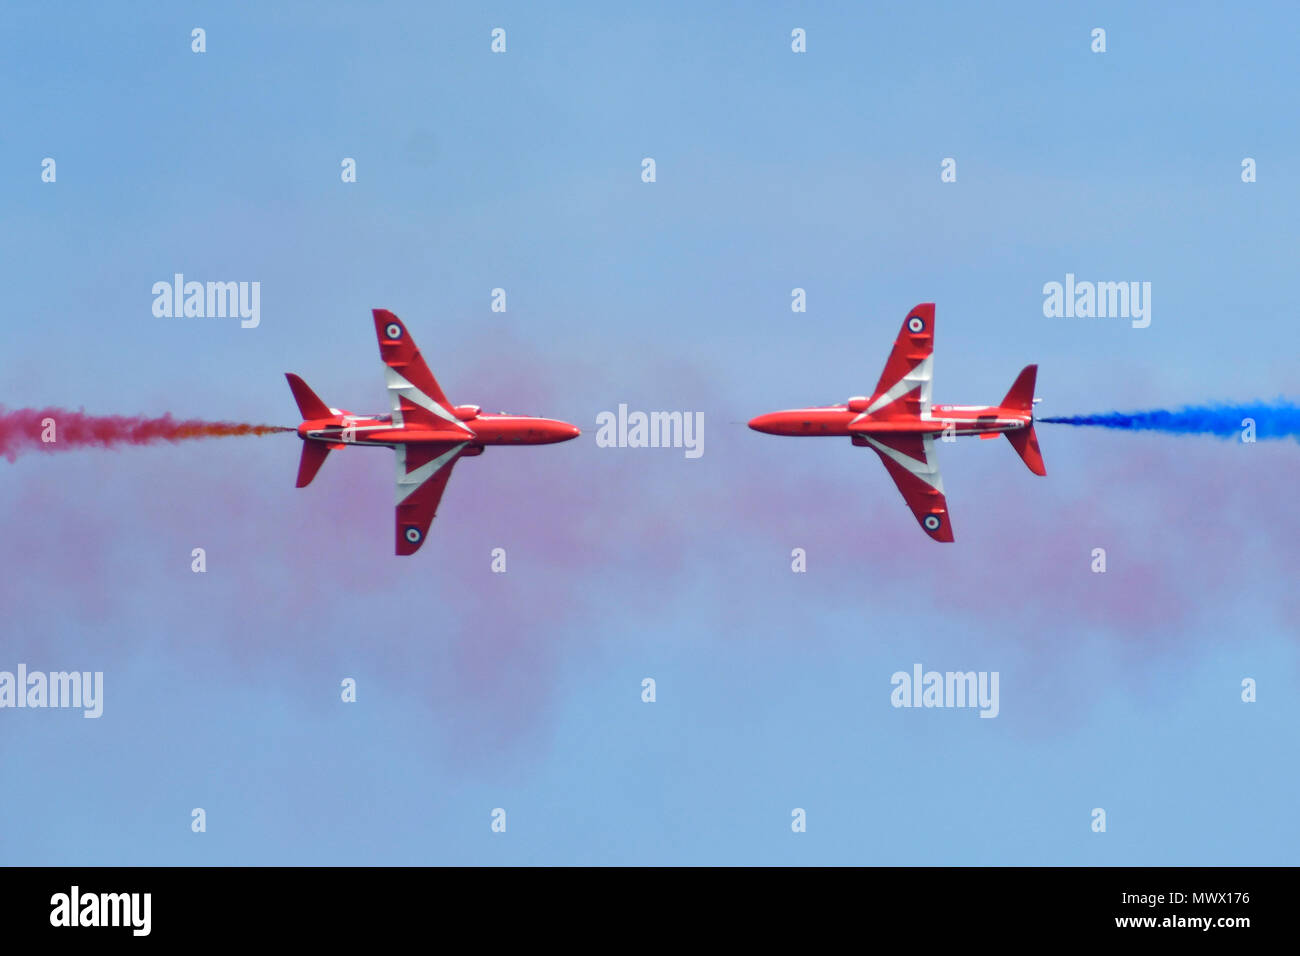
x,y
639,536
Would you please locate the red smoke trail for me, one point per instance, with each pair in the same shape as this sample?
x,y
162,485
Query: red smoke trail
x,y
30,429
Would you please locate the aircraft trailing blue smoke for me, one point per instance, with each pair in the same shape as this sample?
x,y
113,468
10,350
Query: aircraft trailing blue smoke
x,y
1279,419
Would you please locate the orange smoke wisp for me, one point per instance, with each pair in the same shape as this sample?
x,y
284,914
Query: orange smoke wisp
x,y
59,429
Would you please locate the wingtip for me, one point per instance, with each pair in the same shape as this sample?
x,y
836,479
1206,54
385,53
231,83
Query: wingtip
x,y
937,526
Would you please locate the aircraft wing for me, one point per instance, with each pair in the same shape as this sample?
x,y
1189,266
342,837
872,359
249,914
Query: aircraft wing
x,y
911,462
416,397
904,387
422,474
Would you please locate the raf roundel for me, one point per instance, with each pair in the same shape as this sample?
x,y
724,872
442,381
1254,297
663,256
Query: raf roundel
x,y
916,324
393,330
932,522
413,535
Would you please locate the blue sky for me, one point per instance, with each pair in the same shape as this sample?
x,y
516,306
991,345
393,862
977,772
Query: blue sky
x,y
775,170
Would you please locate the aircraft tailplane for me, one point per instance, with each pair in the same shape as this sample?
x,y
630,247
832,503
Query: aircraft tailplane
x,y
1025,442
313,456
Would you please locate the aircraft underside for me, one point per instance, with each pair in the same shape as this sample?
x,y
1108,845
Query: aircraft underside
x,y
428,434
901,424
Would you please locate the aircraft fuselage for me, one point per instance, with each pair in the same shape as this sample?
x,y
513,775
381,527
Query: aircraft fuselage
x,y
852,419
479,429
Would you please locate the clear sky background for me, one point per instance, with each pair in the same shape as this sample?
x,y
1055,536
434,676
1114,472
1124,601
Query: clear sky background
x,y
522,690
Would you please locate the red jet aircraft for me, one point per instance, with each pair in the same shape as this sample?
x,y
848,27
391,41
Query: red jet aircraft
x,y
899,423
428,433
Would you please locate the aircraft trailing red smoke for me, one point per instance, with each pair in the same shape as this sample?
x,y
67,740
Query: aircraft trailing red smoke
x,y
60,429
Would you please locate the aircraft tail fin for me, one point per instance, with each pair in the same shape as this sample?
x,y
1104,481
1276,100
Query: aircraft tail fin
x,y
1025,442
313,456
1021,395
1021,399
310,406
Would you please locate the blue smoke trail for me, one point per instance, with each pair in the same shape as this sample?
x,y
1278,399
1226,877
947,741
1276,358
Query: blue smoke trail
x,y
1280,419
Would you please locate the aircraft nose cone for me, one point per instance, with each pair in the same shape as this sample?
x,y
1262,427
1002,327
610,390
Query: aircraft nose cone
x,y
561,431
761,423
